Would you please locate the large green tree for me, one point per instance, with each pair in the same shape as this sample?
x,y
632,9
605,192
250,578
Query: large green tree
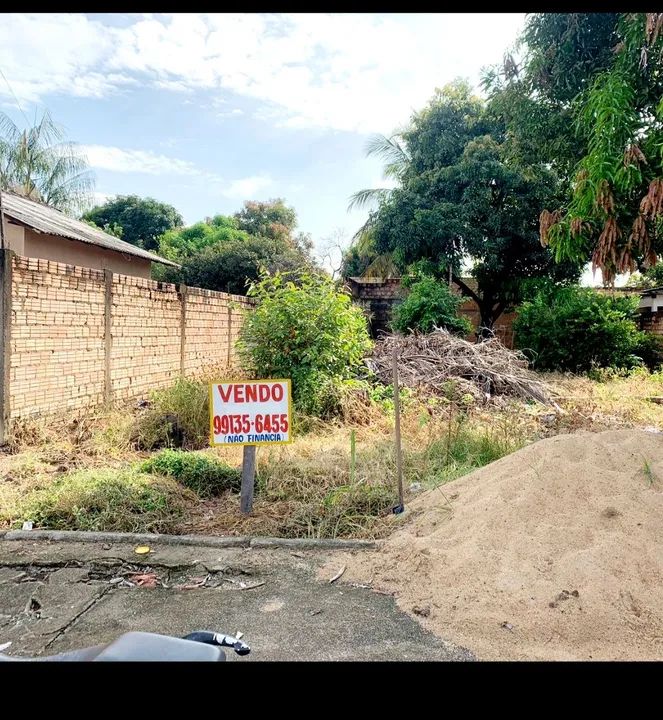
x,y
604,75
143,220
460,203
274,220
181,244
233,265
538,88
37,162
228,253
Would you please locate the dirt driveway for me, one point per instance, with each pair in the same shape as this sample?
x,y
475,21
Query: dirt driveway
x,y
62,596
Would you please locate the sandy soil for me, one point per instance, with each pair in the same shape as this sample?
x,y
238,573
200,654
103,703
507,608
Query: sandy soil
x,y
554,552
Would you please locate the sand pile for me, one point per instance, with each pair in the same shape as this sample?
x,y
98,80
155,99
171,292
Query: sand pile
x,y
554,552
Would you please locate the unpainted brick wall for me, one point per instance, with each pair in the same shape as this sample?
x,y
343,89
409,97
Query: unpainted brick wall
x,y
57,337
58,350
652,322
208,343
145,332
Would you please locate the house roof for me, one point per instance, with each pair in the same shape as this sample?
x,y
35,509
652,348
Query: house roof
x,y
49,220
652,292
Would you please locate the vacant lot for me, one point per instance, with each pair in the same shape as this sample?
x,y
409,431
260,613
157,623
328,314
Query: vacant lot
x,y
87,472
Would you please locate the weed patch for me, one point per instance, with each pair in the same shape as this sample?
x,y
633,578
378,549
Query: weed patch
x,y
205,476
103,500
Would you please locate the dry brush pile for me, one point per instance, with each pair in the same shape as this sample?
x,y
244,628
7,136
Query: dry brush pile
x,y
433,360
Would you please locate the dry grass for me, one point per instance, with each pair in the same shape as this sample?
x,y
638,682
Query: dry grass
x,y
305,489
613,403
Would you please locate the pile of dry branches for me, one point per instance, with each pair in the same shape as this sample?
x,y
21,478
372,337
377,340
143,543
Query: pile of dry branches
x,y
433,360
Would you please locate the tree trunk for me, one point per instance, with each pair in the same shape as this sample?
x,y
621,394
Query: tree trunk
x,y
489,312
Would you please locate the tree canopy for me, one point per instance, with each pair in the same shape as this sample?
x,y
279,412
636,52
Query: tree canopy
x,y
143,220
183,243
38,163
228,253
601,76
461,203
233,265
274,220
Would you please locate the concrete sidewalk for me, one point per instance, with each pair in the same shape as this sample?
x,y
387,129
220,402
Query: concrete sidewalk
x,y
58,596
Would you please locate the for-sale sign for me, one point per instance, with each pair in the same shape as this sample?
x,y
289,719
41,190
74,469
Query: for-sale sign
x,y
250,412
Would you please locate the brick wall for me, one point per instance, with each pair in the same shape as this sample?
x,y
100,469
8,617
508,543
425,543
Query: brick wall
x,y
379,296
74,336
652,322
57,336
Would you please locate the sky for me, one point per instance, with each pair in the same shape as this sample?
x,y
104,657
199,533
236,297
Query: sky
x,y
205,111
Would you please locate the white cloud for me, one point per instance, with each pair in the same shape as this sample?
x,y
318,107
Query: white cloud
x,y
356,72
246,188
117,159
230,113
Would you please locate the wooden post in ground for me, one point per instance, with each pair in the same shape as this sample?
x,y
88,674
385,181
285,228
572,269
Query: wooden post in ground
x,y
397,416
248,479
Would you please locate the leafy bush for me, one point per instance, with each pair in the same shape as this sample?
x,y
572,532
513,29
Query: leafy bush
x,y
578,329
105,500
205,476
430,304
177,417
308,331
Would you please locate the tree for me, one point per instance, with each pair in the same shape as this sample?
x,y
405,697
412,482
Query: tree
x,y
393,151
652,277
143,220
614,206
38,163
460,202
227,253
538,97
232,265
183,243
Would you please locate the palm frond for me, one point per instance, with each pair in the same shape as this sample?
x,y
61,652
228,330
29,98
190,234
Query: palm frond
x,y
367,197
390,149
38,163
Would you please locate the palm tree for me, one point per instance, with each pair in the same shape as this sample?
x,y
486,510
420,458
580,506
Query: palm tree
x,y
38,163
394,152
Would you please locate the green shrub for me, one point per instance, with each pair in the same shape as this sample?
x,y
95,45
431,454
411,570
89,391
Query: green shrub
x,y
176,417
430,304
305,329
579,329
105,500
205,476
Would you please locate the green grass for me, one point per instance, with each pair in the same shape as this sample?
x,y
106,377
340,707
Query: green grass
x,y
103,500
648,473
205,476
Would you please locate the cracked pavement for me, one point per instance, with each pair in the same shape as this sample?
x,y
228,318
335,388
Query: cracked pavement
x,y
56,597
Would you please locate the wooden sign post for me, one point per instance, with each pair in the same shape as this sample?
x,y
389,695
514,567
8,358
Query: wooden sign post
x,y
248,479
250,413
397,417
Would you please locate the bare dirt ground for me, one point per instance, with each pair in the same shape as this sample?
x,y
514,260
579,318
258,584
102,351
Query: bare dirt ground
x,y
552,553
